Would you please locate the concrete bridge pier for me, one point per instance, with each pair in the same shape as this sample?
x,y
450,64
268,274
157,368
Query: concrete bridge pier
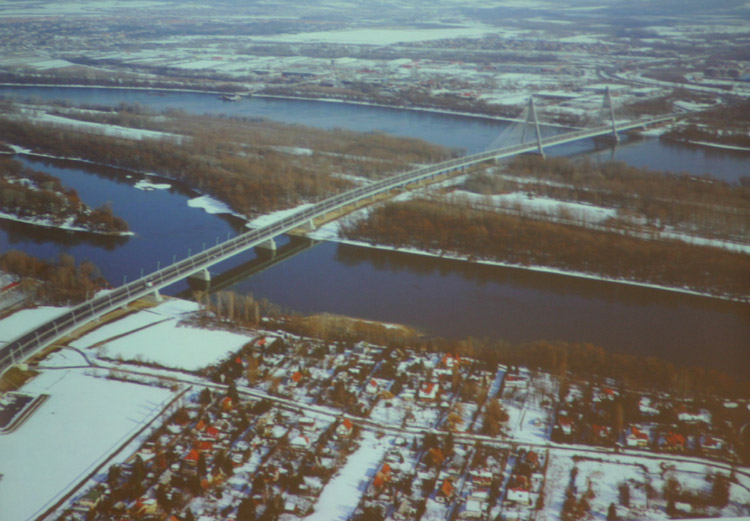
x,y
200,280
266,249
269,245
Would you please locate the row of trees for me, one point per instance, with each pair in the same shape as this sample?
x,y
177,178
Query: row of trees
x,y
437,228
31,194
62,280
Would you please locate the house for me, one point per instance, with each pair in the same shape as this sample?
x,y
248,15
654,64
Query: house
x,y
91,499
306,423
481,478
519,496
601,432
710,443
192,457
636,438
372,387
449,361
404,511
513,381
480,494
296,377
646,408
429,391
345,428
445,492
205,445
566,425
145,507
381,478
472,510
702,416
300,442
674,441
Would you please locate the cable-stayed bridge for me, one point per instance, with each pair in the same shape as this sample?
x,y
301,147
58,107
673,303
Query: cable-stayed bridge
x,y
28,343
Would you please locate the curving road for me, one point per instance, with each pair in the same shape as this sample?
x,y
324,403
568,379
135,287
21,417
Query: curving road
x,y
27,344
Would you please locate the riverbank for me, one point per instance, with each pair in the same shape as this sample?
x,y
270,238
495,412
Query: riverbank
x,y
434,110
324,234
65,226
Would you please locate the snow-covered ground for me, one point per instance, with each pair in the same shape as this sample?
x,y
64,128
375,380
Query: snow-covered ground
x,y
27,319
100,128
157,336
81,423
272,217
341,495
209,205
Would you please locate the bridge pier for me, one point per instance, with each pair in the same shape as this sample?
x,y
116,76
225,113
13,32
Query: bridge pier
x,y
269,245
200,280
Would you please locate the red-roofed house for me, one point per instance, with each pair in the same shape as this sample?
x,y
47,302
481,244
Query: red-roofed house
x,y
675,441
345,428
446,491
636,438
449,360
429,391
297,377
193,457
372,387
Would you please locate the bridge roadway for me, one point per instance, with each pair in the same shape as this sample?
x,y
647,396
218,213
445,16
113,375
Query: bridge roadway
x,y
27,344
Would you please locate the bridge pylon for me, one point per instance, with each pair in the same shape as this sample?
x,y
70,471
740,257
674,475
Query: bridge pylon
x,y
532,119
608,112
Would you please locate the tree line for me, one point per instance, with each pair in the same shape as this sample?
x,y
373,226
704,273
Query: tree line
x,y
703,205
32,194
234,160
439,228
60,281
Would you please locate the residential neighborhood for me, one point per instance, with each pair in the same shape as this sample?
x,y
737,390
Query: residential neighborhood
x,y
279,428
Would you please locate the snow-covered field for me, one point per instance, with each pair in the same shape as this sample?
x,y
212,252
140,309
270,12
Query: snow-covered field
x,y
81,423
157,336
26,320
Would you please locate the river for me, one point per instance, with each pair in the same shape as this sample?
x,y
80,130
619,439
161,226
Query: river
x,y
438,296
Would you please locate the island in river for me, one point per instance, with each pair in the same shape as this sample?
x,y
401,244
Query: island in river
x,y
39,198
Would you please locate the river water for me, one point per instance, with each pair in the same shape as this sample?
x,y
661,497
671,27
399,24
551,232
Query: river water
x,y
438,296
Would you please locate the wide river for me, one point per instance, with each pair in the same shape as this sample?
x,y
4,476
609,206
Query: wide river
x,y
438,296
